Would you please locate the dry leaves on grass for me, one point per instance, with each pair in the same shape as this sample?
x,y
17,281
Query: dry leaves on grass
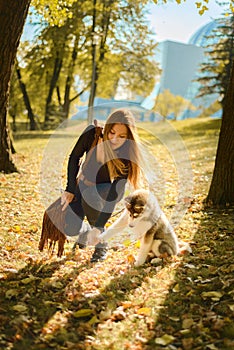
x,y
179,303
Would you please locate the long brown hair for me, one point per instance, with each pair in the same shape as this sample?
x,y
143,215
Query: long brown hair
x,y
115,164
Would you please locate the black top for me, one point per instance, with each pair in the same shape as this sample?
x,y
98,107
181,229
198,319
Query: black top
x,y
97,172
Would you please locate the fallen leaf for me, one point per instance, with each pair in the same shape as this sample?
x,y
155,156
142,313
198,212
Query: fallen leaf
x,y
127,242
10,293
19,307
145,311
29,279
16,228
211,347
93,320
126,304
176,288
130,259
165,340
213,295
83,313
187,323
137,244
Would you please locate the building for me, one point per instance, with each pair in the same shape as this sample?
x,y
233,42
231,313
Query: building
x,y
180,70
180,64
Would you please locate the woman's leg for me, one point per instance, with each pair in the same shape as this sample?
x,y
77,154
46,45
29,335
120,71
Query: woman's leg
x,y
93,201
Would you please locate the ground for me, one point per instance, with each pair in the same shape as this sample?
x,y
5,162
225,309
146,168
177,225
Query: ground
x,y
184,302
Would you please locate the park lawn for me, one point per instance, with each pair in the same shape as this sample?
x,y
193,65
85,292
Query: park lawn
x,y
184,302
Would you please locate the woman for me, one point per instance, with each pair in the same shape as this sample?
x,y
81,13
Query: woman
x,y
102,179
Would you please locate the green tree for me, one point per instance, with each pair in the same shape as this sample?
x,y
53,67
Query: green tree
x,y
64,52
170,105
216,71
50,64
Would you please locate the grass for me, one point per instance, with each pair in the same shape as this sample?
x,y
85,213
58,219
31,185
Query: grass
x,y
186,302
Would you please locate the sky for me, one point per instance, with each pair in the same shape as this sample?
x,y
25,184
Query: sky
x,y
179,22
171,21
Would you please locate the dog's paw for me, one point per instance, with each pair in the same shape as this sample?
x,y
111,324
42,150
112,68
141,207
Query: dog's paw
x,y
139,262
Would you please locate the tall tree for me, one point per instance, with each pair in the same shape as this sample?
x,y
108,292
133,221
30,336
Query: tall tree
x,y
221,190
13,16
216,70
31,117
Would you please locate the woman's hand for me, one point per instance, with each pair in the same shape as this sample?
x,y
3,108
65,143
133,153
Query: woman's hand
x,y
93,236
66,198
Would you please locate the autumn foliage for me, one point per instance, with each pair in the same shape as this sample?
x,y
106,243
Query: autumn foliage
x,y
184,302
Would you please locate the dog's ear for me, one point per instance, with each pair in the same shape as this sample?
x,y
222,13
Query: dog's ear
x,y
127,199
127,202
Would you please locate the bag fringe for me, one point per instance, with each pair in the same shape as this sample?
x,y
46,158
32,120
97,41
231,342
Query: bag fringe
x,y
53,223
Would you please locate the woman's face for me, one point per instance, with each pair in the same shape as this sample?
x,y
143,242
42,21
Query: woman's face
x,y
117,135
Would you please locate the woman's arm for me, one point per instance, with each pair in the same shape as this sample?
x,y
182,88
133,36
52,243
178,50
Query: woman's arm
x,y
82,145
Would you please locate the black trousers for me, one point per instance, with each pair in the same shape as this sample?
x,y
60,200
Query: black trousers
x,y
88,203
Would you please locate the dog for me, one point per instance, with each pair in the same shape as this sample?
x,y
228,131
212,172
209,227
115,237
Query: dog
x,y
148,222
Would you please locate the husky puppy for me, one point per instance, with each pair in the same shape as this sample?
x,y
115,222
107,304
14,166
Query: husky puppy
x,y
150,225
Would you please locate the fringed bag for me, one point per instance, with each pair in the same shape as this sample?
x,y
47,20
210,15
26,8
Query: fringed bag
x,y
54,218
52,225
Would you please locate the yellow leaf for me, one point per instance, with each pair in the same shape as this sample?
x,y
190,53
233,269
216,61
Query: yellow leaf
x,y
69,262
16,228
187,323
204,8
145,311
9,248
10,293
83,313
137,244
213,295
176,288
127,242
164,340
130,259
198,4
19,308
29,279
33,228
57,284
126,304
93,320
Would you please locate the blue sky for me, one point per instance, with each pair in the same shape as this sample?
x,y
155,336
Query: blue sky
x,y
179,22
171,21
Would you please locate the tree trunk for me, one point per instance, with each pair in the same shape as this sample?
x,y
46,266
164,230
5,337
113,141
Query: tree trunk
x,y
106,14
69,79
33,125
53,83
94,69
221,191
13,16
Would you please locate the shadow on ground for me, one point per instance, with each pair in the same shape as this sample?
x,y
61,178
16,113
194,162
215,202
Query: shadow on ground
x,y
198,312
